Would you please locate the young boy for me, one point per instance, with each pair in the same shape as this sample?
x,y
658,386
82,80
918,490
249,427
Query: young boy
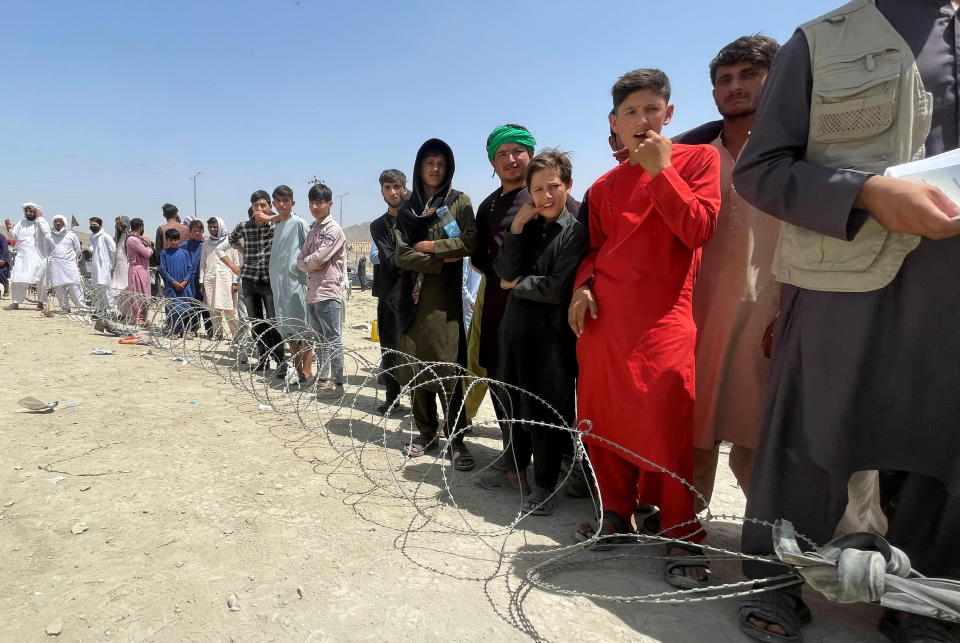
x,y
536,265
194,246
322,259
649,217
177,271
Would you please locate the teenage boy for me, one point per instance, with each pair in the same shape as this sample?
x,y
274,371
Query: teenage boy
x,y
177,272
254,238
321,259
194,247
649,217
287,283
387,282
536,265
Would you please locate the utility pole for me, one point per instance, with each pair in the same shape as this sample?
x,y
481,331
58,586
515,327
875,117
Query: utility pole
x,y
340,196
194,179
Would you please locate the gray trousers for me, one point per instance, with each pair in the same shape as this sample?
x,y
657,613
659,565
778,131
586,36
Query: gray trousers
x,y
324,317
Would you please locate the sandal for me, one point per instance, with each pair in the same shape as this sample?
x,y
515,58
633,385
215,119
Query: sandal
x,y
915,629
622,533
672,564
783,607
541,502
497,480
420,445
460,455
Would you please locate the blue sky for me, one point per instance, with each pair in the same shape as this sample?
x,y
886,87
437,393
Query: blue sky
x,y
112,106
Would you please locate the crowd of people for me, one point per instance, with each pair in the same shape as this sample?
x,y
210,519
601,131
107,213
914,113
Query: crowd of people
x,y
755,280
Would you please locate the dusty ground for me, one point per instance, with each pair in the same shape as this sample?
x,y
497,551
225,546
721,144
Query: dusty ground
x,y
190,493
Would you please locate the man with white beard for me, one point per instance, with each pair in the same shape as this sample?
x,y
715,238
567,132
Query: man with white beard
x,y
103,251
30,235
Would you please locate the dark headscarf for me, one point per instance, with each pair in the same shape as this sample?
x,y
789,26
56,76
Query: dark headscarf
x,y
417,213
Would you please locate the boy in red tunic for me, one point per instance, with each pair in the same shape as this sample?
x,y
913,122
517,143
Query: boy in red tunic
x,y
649,216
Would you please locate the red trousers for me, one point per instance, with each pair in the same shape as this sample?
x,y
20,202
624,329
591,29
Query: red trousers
x,y
623,484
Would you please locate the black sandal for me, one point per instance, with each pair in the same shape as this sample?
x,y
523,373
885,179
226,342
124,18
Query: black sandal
x,y
621,535
783,607
680,563
420,445
460,455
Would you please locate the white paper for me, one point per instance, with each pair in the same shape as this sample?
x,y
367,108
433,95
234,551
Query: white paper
x,y
941,171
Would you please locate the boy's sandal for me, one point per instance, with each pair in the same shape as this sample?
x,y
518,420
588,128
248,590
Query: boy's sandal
x,y
782,607
420,445
460,455
622,533
540,502
916,629
675,567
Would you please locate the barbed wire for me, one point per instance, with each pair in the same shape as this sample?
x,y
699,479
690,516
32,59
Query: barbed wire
x,y
367,446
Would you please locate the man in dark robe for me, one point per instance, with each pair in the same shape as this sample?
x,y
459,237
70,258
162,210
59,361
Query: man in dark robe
x,y
860,380
387,283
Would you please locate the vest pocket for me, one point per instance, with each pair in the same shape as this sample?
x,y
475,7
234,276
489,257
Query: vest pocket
x,y
854,97
818,252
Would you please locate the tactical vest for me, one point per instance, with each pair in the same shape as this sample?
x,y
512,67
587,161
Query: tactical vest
x,y
868,111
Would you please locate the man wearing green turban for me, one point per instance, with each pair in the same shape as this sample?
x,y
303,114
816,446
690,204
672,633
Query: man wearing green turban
x,y
504,136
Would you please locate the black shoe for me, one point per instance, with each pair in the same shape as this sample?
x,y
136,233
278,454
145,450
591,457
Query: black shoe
x,y
282,371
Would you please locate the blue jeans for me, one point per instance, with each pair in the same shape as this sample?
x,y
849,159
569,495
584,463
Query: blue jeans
x,y
325,321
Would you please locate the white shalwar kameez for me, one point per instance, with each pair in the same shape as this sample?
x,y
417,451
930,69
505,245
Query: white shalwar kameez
x,y
30,265
63,273
104,253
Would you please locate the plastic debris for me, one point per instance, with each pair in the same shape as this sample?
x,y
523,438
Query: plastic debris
x,y
100,351
72,405
78,528
179,359
233,603
265,407
34,404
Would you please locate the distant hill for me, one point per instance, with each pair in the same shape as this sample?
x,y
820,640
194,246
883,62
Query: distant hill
x,y
358,232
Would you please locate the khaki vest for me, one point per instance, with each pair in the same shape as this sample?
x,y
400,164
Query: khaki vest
x,y
868,111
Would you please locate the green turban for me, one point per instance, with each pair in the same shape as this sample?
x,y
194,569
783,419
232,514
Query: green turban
x,y
509,134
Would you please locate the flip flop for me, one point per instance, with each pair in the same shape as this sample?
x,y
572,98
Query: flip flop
x,y
680,563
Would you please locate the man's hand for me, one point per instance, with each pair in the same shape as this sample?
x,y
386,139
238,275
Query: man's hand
x,y
426,247
234,268
901,205
2,262
653,153
582,301
264,217
508,285
176,285
528,212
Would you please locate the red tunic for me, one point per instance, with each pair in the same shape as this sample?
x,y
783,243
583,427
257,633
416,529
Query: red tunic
x,y
637,358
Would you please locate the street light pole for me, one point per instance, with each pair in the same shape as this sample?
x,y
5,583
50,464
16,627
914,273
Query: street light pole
x,y
340,196
194,179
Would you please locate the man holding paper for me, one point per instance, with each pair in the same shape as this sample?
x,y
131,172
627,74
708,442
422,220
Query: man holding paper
x,y
866,357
